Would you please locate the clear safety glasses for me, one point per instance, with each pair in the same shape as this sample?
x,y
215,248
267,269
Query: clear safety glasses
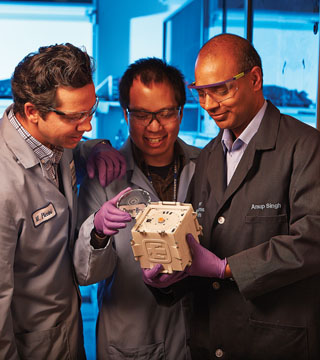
x,y
76,117
144,118
220,91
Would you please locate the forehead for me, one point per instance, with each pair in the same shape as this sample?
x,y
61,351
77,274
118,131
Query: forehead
x,y
212,69
76,99
153,96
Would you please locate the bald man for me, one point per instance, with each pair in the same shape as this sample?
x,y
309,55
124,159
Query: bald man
x,y
256,190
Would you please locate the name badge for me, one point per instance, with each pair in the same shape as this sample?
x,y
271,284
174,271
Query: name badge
x,y
42,215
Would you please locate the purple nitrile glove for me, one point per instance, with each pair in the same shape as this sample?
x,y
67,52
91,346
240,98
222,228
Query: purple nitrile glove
x,y
109,219
109,163
204,262
155,278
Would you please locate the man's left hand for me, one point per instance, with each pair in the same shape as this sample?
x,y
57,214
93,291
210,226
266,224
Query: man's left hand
x,y
109,163
153,277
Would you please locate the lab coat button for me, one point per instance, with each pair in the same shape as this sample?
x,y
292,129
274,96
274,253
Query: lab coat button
x,y
216,285
219,353
221,220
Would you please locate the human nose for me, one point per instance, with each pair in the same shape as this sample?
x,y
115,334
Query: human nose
x,y
154,123
209,102
85,125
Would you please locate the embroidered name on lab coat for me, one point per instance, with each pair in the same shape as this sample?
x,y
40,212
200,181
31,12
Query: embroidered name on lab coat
x,y
265,206
200,210
42,215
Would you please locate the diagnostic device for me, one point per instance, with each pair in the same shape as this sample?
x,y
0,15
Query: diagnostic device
x,y
159,235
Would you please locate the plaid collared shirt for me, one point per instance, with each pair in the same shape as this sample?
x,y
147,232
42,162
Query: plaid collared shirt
x,y
49,159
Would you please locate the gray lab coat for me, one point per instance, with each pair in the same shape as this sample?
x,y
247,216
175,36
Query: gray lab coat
x,y
39,298
267,224
131,324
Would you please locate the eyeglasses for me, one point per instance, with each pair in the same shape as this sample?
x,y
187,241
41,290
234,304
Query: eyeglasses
x,y
220,91
145,118
77,117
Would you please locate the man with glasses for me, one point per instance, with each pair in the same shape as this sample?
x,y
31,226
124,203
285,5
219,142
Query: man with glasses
x,y
130,324
54,101
76,117
256,188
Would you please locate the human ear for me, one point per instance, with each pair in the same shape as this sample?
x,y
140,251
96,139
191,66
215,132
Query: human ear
x,y
181,114
31,112
125,113
256,78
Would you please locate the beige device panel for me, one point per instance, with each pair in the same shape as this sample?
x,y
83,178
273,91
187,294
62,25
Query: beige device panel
x,y
159,235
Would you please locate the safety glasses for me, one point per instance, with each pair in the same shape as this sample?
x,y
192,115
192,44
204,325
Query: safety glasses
x,y
76,117
144,118
220,91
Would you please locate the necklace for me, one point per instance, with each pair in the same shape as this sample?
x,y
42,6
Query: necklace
x,y
175,179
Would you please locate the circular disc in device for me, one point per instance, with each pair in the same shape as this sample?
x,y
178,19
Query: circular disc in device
x,y
134,201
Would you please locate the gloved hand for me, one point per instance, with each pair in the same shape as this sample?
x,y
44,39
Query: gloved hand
x,y
155,278
204,262
109,219
109,163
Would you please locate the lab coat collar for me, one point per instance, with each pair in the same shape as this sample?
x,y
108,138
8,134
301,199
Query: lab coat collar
x,y
16,143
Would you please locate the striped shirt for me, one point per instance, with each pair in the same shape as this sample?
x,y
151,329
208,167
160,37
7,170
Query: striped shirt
x,y
49,159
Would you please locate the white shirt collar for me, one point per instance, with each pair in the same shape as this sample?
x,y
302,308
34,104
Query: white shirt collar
x,y
248,133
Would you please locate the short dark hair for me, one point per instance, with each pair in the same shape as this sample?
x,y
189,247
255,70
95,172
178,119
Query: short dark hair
x,y
37,77
152,70
249,57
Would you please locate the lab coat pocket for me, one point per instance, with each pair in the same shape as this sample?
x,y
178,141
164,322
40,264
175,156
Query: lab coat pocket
x,y
277,342
266,226
48,344
143,352
271,219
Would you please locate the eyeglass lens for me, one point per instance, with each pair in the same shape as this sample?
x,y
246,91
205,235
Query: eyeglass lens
x,y
164,117
217,93
81,116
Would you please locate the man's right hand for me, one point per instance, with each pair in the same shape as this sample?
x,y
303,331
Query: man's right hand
x,y
204,262
109,219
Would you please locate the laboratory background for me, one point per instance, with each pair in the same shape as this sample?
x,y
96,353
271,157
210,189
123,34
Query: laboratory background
x,y
116,33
